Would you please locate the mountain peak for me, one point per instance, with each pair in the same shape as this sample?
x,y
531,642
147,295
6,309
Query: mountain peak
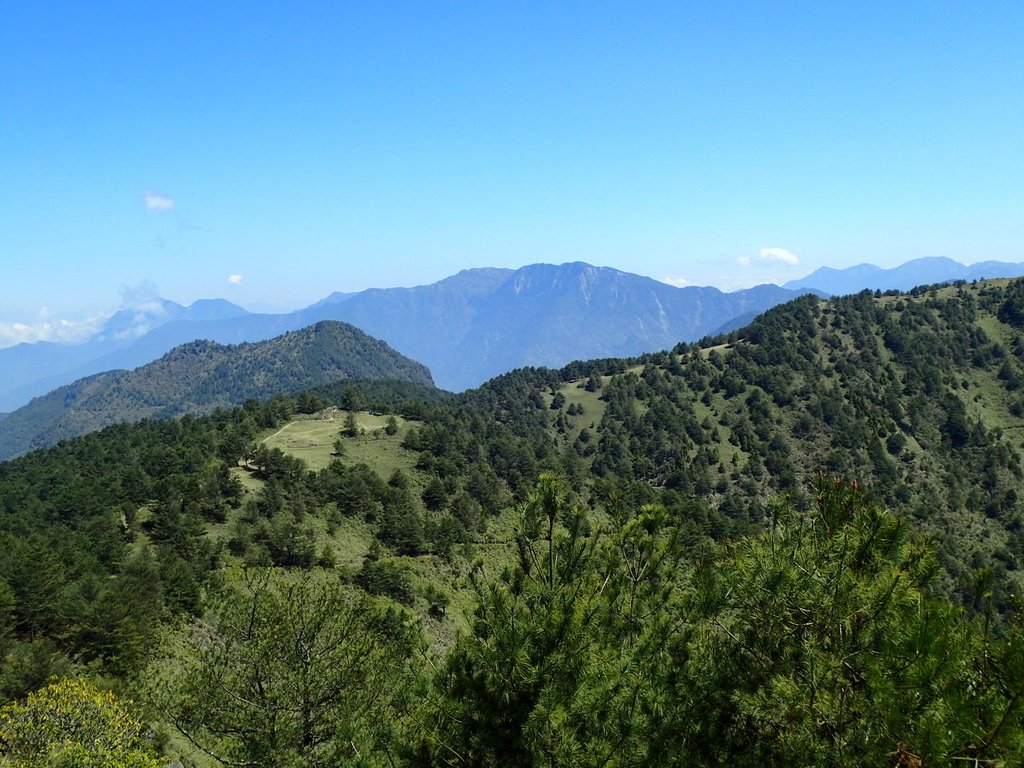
x,y
213,309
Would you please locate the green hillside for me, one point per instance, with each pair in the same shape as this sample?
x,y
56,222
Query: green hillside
x,y
796,544
918,397
198,377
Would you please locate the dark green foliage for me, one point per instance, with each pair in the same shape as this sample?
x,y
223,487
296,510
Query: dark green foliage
x,y
351,428
289,672
69,515
532,631
824,632
381,577
401,523
816,643
1011,310
435,495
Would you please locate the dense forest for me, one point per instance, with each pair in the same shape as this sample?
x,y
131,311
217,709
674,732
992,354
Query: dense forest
x,y
796,544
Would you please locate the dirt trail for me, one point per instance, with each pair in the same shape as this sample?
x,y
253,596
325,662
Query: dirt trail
x,y
282,429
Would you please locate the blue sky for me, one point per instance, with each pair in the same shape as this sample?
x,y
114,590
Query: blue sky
x,y
274,153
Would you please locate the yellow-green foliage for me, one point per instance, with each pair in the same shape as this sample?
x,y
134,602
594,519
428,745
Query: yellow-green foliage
x,y
71,723
312,440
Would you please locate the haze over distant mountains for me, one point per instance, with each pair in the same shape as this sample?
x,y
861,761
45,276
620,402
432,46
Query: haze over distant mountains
x,y
471,326
32,369
839,282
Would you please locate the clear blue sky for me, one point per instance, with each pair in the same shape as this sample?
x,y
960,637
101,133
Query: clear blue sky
x,y
305,148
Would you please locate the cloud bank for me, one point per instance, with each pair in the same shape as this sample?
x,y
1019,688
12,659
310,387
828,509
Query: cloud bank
x,y
138,295
141,309
43,329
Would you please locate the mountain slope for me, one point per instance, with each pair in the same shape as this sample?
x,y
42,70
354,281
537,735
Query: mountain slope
x,y
919,396
547,315
473,325
482,322
201,376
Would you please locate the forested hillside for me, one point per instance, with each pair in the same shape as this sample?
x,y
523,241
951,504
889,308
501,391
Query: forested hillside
x,y
918,397
197,377
798,544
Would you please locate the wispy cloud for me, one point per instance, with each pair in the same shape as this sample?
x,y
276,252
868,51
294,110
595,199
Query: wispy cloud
x,y
771,256
140,294
155,202
141,310
780,255
678,282
235,279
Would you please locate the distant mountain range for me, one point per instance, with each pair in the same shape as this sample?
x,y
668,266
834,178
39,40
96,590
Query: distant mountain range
x,y
483,322
841,282
200,376
471,326
465,328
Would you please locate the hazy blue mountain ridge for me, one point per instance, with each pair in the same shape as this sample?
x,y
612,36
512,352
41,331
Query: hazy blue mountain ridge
x,y
926,271
466,328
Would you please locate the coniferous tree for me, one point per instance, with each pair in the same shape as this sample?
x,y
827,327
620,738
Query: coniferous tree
x,y
291,671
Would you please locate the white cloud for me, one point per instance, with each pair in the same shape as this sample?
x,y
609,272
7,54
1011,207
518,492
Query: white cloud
x,y
780,255
770,256
155,202
235,279
678,282
60,331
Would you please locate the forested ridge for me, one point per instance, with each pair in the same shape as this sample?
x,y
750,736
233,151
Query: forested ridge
x,y
197,377
798,544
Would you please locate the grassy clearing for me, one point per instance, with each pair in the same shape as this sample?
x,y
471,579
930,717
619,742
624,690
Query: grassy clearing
x,y
593,406
994,329
727,451
248,480
312,440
